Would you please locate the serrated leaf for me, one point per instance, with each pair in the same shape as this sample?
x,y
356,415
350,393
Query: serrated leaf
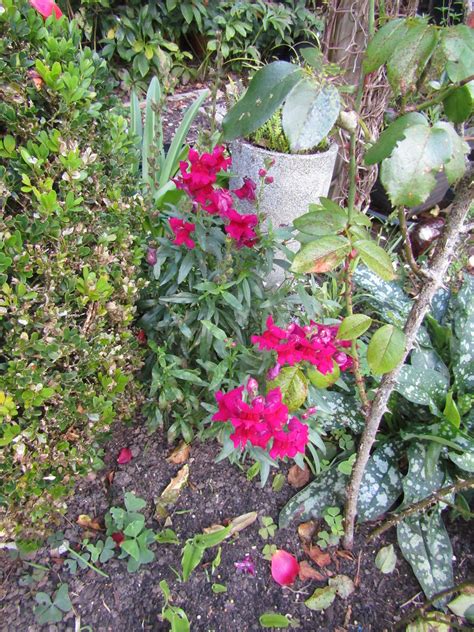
x,y
309,113
383,44
408,60
458,46
321,221
386,559
424,543
408,175
375,258
321,599
381,483
321,255
385,349
391,135
353,326
267,90
293,385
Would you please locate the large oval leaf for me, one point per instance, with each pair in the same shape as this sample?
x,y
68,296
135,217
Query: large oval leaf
x,y
455,167
309,114
375,258
458,46
384,43
320,221
459,105
353,326
293,385
386,349
321,255
266,92
390,137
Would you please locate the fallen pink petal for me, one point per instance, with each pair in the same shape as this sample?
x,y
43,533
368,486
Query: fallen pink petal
x,y
125,456
246,566
285,568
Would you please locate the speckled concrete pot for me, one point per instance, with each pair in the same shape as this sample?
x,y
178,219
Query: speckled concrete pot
x,y
298,179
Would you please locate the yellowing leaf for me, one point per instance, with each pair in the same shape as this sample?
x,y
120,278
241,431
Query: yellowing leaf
x,y
171,493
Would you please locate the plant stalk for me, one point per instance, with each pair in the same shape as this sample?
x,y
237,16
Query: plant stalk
x,y
410,258
443,255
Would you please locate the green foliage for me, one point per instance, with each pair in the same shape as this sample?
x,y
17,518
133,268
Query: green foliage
x,y
333,518
51,610
175,616
195,547
68,263
268,528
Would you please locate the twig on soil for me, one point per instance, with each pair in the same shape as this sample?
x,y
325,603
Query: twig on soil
x,y
407,603
422,505
443,255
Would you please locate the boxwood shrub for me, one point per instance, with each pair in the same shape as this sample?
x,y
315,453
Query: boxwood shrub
x,y
69,257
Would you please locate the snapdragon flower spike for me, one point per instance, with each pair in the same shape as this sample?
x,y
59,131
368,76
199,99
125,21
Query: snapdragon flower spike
x,y
247,190
199,172
182,231
316,344
46,8
240,228
261,421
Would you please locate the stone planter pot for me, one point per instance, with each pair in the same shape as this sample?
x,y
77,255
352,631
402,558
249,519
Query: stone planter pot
x,y
298,179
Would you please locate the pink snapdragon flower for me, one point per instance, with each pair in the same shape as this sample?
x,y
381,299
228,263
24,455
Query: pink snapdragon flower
x,y
46,8
199,172
261,421
316,344
246,191
240,228
182,231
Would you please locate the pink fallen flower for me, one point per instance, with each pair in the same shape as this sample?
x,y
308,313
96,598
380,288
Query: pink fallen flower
x,y
246,566
182,231
46,8
285,568
125,456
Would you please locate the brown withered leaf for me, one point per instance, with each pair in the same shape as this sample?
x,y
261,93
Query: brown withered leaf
x,y
297,476
242,522
308,572
319,557
86,522
306,530
171,493
180,454
346,555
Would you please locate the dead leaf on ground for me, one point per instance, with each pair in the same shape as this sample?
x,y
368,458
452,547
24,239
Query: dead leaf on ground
x,y
236,525
346,555
308,572
180,454
306,530
297,476
171,493
86,522
318,556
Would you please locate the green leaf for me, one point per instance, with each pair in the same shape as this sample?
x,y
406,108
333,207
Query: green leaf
x,y
408,60
385,349
384,43
353,326
192,555
218,588
177,618
421,386
419,482
458,46
424,543
336,410
463,606
132,548
167,536
321,255
408,175
133,503
61,599
323,380
455,167
391,135
386,559
463,347
375,258
274,620
293,385
458,105
266,92
381,483
9,143
217,332
321,599
208,540
309,114
321,221
326,490
451,411
134,528
153,130
136,124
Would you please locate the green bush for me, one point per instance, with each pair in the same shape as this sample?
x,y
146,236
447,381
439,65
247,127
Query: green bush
x,y
68,263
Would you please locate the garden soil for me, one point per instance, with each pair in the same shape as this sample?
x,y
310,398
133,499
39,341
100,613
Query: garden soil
x,y
215,494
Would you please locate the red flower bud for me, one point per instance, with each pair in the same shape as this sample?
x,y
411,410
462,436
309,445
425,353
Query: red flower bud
x,y
125,456
285,568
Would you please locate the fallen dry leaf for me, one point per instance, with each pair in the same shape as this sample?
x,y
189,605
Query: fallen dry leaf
x,y
109,477
243,521
306,530
171,493
86,522
346,555
308,572
319,557
297,476
180,454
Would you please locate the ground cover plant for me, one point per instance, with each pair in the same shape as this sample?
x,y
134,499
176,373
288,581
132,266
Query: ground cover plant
x,y
350,381
69,256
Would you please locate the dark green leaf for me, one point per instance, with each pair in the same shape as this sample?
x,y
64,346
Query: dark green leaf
x,y
391,135
458,106
384,43
353,326
381,483
422,386
385,349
